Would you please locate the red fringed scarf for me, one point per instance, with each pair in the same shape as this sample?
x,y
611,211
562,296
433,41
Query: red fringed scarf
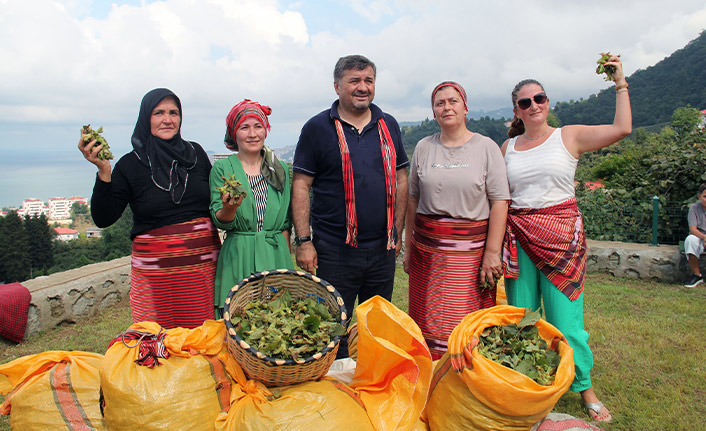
x,y
554,240
389,162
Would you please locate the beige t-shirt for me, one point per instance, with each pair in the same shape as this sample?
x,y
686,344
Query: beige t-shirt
x,y
458,181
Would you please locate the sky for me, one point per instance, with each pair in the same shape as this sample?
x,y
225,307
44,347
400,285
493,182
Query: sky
x,y
65,63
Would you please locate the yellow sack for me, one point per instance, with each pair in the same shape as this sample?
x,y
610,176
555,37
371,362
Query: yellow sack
x,y
420,426
394,366
187,391
485,395
501,294
323,405
53,390
388,392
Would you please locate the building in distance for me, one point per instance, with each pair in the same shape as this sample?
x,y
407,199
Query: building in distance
x,y
65,234
57,209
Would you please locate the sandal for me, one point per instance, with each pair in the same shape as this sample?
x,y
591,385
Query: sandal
x,y
597,408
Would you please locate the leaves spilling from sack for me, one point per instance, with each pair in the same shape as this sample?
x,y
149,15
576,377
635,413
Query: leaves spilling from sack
x,y
521,348
285,328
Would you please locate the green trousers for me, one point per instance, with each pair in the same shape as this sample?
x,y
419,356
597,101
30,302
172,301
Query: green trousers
x,y
532,290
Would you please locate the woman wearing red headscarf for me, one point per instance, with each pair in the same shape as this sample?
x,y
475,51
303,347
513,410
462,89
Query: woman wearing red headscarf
x,y
257,225
456,215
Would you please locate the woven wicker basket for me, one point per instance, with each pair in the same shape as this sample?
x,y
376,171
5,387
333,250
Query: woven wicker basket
x,y
353,341
264,286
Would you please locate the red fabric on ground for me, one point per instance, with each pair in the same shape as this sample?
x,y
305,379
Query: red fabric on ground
x,y
14,307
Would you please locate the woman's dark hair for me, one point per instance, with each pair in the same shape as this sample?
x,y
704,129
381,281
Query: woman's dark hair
x,y
517,127
702,188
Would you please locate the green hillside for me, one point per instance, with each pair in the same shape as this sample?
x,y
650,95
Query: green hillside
x,y
678,80
655,93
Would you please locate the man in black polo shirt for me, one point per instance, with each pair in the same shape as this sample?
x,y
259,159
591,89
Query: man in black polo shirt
x,y
351,155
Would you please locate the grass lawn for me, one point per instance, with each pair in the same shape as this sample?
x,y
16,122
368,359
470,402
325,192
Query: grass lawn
x,y
648,341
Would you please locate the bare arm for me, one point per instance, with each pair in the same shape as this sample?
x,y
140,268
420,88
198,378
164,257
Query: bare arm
x,y
491,268
580,139
301,207
504,147
412,204
401,207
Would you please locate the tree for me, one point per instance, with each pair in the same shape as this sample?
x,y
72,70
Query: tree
x,y
666,164
79,208
116,238
14,253
76,253
39,242
553,120
80,214
685,120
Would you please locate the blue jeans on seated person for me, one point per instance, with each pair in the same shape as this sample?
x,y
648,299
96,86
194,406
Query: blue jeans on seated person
x,y
355,273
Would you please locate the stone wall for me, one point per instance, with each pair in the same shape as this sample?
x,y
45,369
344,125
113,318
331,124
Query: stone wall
x,y
663,263
72,295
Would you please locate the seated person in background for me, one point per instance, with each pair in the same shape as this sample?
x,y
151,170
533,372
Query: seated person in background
x,y
694,243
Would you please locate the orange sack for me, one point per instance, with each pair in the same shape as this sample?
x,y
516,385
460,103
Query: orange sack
x,y
52,390
394,366
485,395
388,391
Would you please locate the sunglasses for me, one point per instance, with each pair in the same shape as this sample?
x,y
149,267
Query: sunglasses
x,y
526,102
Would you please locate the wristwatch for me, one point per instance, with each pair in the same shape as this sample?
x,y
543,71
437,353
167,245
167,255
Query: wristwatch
x,y
299,240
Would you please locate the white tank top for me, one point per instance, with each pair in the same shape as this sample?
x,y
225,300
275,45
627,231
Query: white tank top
x,y
541,176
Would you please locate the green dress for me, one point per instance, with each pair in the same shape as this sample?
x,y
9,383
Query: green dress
x,y
245,250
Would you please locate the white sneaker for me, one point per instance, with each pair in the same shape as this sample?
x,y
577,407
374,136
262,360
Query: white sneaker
x,y
694,281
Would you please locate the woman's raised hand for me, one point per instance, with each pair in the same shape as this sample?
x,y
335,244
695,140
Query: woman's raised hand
x,y
618,75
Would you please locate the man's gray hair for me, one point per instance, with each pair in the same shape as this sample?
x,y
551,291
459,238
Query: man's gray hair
x,y
349,62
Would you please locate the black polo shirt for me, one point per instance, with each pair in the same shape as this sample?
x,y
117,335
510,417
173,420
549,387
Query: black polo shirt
x,y
318,155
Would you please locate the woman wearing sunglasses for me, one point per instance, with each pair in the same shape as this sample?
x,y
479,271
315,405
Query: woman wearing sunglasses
x,y
456,215
545,246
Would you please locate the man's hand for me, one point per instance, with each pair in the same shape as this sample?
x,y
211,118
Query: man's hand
x,y
307,258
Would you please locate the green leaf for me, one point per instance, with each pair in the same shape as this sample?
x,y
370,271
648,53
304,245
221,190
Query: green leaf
x,y
282,300
312,323
524,367
338,330
530,319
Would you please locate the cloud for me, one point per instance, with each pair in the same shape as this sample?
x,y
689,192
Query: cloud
x,y
71,62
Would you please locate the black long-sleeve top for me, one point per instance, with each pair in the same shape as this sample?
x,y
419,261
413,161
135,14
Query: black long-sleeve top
x,y
131,183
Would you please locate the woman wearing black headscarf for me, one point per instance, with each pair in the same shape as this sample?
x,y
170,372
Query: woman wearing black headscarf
x,y
174,243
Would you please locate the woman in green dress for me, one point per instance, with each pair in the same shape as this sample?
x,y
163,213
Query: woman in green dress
x,y
257,224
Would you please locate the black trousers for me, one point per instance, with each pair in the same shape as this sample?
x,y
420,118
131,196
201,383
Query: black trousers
x,y
356,273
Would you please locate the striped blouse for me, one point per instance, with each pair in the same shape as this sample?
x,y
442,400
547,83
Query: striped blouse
x,y
259,191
